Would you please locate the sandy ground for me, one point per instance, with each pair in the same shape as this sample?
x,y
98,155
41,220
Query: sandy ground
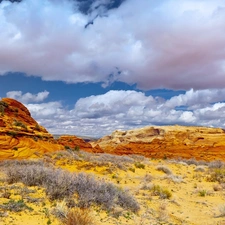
x,y
193,201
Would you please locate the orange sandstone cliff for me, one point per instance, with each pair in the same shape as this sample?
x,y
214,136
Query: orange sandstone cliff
x,y
22,137
201,143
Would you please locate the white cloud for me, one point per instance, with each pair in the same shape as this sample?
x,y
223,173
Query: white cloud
x,y
170,44
102,114
27,97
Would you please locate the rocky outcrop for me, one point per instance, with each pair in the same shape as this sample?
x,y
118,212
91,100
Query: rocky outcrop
x,y
22,137
201,143
76,143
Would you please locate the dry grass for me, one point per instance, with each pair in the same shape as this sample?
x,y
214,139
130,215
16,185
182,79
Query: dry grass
x,y
77,216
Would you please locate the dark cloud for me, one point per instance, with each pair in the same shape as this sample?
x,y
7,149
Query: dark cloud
x,y
154,44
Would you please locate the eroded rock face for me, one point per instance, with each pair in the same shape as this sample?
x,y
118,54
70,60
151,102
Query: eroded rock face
x,y
20,135
168,142
76,143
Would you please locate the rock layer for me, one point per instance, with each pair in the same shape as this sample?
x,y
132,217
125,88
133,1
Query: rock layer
x,y
201,143
76,143
22,137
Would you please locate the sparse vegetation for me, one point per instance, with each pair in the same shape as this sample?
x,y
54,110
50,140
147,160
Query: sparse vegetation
x,y
164,169
162,198
3,106
59,183
15,206
19,124
163,193
202,193
139,165
77,216
37,127
217,175
12,134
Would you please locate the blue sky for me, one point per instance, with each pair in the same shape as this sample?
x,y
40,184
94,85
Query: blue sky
x,y
91,67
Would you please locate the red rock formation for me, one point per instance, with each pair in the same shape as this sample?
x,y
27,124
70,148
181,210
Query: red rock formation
x,y
77,143
168,142
22,137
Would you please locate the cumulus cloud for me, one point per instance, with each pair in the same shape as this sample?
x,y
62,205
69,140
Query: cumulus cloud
x,y
27,97
102,114
156,44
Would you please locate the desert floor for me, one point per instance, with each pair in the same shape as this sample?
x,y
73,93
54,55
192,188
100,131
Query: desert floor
x,y
167,191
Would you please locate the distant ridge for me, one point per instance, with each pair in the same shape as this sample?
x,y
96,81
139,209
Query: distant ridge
x,y
202,143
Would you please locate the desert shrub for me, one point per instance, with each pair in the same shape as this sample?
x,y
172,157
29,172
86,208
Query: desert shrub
x,y
15,206
148,178
216,164
175,178
191,161
77,216
12,134
3,105
200,169
202,193
60,184
37,127
76,148
163,193
127,201
217,175
19,124
139,165
2,110
164,169
121,162
132,169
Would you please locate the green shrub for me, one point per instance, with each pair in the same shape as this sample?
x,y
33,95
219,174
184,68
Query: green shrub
x,y
67,147
202,193
77,148
19,124
12,134
16,206
163,193
217,175
37,127
139,165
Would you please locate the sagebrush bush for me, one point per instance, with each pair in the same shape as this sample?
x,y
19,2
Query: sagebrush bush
x,y
216,164
217,175
200,169
164,169
163,193
59,184
15,206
